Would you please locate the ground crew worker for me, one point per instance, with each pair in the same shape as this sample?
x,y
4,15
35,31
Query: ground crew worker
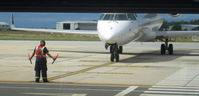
x,y
40,64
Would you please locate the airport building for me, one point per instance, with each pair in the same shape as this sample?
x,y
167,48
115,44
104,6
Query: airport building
x,y
188,27
76,25
4,26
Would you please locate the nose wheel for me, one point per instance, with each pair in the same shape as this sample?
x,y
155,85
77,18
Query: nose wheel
x,y
165,47
115,50
120,49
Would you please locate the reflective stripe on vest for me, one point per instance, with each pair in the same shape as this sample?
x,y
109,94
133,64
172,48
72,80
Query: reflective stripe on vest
x,y
40,52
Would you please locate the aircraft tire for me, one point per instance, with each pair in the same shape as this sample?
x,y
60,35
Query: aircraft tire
x,y
112,57
120,49
170,49
117,57
163,49
111,49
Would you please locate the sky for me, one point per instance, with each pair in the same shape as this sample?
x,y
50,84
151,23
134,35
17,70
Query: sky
x,y
48,20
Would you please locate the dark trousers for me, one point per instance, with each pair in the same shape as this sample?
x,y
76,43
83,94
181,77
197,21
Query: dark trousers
x,y
38,72
41,68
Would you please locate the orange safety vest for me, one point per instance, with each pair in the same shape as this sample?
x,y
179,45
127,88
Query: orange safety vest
x,y
40,52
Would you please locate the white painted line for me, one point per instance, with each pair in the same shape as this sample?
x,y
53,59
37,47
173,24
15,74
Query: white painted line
x,y
186,87
159,95
126,91
174,89
164,92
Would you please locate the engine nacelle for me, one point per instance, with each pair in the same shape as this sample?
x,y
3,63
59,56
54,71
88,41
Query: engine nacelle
x,y
175,15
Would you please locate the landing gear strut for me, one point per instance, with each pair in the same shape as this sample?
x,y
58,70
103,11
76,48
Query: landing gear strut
x,y
165,47
115,50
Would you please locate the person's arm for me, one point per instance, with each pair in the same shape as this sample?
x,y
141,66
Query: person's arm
x,y
50,56
33,54
47,52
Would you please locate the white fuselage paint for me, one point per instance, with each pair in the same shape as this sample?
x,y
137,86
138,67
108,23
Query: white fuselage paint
x,y
125,31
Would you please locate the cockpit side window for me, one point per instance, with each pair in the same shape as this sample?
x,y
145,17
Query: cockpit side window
x,y
131,16
108,17
121,17
102,16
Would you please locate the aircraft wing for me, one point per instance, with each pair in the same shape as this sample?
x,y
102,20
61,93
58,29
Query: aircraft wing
x,y
52,30
57,31
176,33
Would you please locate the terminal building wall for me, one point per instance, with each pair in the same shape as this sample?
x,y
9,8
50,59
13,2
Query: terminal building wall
x,y
77,25
4,26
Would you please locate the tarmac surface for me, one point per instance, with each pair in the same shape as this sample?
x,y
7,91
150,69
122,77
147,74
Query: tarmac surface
x,y
84,69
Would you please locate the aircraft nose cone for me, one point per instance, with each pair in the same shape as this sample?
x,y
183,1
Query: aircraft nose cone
x,y
109,35
114,32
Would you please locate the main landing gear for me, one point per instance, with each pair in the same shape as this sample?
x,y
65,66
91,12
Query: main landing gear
x,y
165,47
115,50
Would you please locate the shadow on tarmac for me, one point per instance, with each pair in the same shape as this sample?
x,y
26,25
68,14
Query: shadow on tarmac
x,y
147,56
80,51
155,56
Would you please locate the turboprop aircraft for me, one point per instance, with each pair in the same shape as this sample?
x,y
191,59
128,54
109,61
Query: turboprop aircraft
x,y
118,29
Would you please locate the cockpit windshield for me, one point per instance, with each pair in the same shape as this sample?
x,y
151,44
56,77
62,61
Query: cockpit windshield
x,y
108,16
121,17
131,16
118,16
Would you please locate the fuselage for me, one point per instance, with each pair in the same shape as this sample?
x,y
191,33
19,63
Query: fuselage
x,y
122,28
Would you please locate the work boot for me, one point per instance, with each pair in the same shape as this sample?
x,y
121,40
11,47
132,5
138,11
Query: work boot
x,y
45,80
37,80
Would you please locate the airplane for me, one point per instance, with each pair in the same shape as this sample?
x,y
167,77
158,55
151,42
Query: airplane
x,y
118,29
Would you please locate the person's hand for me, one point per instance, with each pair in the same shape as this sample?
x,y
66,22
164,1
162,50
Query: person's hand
x,y
30,58
54,58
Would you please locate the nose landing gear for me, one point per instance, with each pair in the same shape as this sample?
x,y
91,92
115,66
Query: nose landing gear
x,y
165,47
115,50
120,49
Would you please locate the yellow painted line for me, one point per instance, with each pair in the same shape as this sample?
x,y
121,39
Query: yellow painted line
x,y
123,66
80,71
121,73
